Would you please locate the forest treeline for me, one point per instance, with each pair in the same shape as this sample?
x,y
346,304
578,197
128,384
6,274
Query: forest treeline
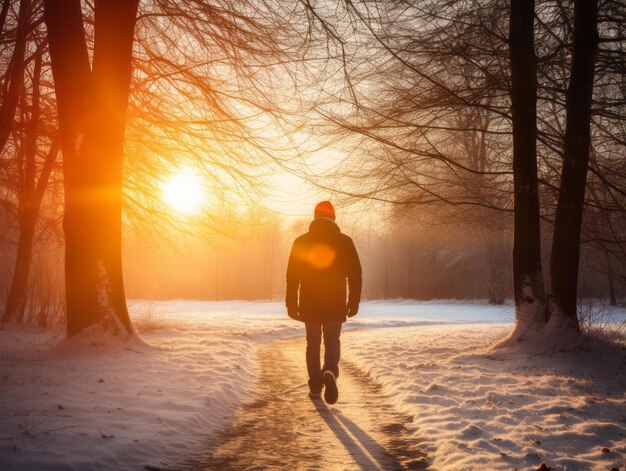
x,y
402,259
482,129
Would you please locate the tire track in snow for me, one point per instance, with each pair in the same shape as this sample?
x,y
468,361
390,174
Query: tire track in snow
x,y
282,428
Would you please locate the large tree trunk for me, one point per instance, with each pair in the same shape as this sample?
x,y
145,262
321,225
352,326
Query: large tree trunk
x,y
562,293
527,274
92,114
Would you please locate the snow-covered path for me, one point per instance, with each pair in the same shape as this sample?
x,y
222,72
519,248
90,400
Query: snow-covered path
x,y
223,386
283,428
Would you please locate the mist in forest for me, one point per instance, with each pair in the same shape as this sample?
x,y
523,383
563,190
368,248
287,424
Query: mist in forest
x,y
404,256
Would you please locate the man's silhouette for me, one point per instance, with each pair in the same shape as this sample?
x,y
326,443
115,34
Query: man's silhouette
x,y
323,287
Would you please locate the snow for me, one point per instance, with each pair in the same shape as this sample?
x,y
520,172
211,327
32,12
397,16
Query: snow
x,y
118,408
123,406
473,409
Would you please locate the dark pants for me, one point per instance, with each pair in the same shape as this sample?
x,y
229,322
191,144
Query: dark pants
x,y
332,331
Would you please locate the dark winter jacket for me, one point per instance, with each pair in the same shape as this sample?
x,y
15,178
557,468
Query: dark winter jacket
x,y
321,262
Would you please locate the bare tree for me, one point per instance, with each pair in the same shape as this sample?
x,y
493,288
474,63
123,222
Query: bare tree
x,y
430,62
92,116
527,273
29,161
562,293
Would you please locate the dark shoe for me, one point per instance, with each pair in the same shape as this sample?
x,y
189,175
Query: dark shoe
x,y
315,394
331,393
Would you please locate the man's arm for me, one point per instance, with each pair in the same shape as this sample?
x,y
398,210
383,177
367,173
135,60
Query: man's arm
x,y
355,280
293,284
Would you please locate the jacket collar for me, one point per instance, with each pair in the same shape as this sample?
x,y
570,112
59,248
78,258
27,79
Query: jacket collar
x,y
322,224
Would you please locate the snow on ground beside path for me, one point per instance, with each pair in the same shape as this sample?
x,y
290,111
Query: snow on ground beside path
x,y
117,409
122,409
482,411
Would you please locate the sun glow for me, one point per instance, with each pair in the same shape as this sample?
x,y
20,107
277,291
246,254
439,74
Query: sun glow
x,y
185,192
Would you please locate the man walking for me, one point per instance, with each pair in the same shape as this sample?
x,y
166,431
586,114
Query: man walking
x,y
320,264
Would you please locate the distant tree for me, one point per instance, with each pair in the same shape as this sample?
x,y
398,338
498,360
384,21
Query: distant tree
x,y
32,178
29,158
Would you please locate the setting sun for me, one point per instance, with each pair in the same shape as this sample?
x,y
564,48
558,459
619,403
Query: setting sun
x,y
185,192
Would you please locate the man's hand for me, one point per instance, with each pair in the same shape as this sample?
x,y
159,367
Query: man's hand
x,y
293,313
352,310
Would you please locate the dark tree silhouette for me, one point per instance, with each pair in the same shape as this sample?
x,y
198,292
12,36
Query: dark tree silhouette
x,y
563,284
527,274
92,116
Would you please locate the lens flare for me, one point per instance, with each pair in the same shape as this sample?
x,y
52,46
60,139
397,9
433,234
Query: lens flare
x,y
321,256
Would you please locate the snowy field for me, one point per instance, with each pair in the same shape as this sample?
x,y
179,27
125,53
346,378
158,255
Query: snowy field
x,y
108,407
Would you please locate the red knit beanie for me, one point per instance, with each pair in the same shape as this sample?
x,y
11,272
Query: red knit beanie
x,y
325,210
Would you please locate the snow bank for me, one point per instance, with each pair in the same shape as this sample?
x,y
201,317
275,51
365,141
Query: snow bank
x,y
478,411
116,408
